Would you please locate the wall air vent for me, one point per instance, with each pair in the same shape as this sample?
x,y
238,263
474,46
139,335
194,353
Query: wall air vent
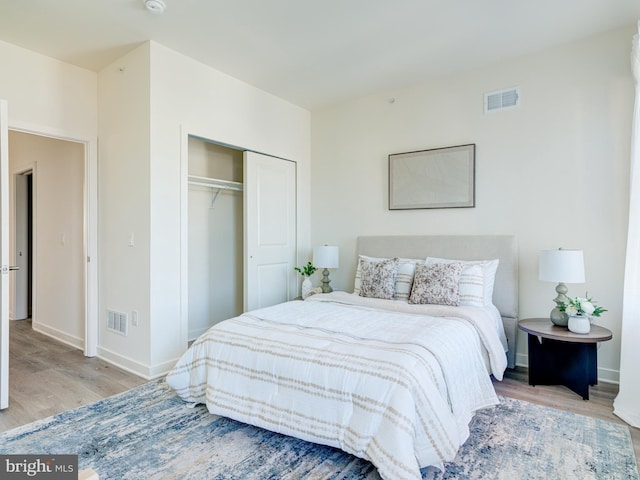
x,y
117,322
502,100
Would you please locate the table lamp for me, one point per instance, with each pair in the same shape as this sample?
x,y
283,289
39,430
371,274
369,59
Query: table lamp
x,y
326,257
562,266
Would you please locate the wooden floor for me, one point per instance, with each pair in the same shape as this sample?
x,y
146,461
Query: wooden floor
x,y
48,377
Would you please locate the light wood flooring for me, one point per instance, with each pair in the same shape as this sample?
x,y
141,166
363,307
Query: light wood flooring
x,y
48,377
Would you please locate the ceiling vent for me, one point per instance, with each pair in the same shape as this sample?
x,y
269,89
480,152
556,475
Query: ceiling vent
x,y
502,100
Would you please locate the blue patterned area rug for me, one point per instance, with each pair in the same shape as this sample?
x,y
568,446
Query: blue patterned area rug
x,y
149,433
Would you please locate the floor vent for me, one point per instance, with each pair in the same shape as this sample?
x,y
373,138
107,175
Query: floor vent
x,y
117,322
502,100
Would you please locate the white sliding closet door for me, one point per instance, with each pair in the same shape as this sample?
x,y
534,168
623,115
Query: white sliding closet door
x,y
270,230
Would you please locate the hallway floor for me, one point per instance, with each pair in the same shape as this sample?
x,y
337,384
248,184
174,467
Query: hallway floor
x,y
47,377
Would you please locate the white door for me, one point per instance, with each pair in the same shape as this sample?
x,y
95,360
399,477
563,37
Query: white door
x,y
269,230
4,256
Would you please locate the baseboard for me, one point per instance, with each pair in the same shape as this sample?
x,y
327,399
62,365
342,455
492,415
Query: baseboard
x,y
605,375
626,411
125,363
522,360
162,369
145,371
195,334
59,335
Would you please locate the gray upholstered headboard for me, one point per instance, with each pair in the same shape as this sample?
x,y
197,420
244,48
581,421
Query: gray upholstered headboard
x,y
462,247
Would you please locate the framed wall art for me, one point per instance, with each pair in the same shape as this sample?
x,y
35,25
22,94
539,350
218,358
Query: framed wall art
x,y
436,178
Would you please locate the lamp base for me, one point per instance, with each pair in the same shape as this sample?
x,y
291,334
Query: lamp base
x,y
559,318
325,282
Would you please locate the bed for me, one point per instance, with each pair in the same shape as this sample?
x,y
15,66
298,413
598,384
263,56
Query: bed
x,y
387,379
463,247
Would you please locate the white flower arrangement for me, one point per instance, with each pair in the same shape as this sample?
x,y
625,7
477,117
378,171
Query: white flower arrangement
x,y
581,306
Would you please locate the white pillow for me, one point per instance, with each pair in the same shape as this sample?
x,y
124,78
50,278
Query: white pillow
x,y
476,280
404,277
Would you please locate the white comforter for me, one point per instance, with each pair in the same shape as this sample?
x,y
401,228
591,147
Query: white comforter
x,y
397,387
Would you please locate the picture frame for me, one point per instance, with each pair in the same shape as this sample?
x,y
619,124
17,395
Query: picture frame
x,y
434,178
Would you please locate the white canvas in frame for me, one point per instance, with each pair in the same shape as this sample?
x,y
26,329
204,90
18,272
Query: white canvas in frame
x,y
436,178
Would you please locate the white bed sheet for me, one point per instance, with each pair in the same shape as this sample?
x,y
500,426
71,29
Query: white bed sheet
x,y
396,384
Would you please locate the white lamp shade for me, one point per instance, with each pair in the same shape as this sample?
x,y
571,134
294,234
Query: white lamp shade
x,y
561,266
326,256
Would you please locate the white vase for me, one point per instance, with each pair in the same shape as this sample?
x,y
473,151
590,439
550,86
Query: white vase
x,y
579,324
306,287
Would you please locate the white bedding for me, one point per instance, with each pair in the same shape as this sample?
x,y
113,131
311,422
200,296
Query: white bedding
x,y
393,383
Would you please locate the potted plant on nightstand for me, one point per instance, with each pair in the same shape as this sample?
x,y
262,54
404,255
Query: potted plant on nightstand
x,y
579,311
306,272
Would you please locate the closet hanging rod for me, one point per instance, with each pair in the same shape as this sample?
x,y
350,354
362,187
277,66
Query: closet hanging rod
x,y
215,183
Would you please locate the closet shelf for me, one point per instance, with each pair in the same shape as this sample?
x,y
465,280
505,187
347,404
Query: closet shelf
x,y
214,183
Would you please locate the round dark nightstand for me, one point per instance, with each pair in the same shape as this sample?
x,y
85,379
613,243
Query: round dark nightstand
x,y
558,356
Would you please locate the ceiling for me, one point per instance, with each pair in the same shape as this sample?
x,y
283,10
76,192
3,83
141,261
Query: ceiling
x,y
313,53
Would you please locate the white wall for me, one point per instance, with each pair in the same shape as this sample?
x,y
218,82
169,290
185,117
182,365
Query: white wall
x,y
552,172
46,94
124,206
59,303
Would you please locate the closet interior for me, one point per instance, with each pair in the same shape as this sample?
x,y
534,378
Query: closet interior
x,y
215,223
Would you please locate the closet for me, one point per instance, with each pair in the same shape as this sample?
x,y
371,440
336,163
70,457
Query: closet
x,y
241,209
215,211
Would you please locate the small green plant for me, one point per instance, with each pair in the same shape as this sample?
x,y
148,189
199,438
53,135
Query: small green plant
x,y
307,270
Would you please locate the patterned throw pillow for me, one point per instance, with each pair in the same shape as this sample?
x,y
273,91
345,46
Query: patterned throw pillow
x,y
436,283
476,280
378,278
404,277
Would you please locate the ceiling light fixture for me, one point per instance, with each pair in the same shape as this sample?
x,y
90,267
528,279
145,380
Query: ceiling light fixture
x,y
155,6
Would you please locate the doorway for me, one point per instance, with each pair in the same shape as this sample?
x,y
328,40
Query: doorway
x,y
23,280
49,195
215,234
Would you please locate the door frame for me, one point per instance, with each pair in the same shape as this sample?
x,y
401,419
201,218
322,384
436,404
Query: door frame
x,y
185,133
90,228
4,256
32,168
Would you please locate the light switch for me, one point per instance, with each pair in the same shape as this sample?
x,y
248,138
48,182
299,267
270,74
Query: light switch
x,y
132,238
